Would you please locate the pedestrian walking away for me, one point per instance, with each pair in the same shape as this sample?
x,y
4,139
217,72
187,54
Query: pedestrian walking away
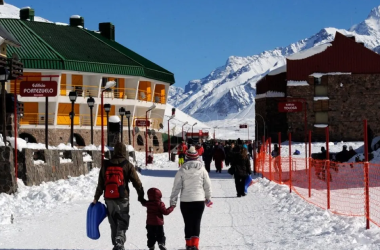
x,y
193,182
181,153
155,219
113,185
242,167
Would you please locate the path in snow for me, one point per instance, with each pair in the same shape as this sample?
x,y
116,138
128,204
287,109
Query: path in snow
x,y
268,218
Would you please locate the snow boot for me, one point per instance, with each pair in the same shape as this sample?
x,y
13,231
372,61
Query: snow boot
x,y
162,247
119,245
151,248
195,243
189,245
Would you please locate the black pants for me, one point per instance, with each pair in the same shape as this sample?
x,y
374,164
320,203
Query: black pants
x,y
240,185
192,215
118,217
208,166
155,234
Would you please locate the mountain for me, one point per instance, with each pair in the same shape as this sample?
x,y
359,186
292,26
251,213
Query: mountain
x,y
10,11
229,91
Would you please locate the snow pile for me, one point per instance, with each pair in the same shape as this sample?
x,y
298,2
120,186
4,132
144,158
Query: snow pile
x,y
319,75
309,52
11,11
297,83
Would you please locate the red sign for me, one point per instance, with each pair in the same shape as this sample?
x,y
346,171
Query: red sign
x,y
38,88
142,123
243,126
200,132
289,106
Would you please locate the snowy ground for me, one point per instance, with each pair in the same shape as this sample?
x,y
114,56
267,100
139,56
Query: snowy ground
x,y
53,216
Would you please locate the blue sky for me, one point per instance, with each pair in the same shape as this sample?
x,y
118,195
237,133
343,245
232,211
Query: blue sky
x,y
193,37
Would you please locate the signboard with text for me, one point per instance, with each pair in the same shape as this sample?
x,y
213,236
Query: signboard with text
x,y
142,123
200,132
289,106
38,88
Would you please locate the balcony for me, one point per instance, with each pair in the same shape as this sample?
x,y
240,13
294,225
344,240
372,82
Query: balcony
x,y
120,93
82,90
37,119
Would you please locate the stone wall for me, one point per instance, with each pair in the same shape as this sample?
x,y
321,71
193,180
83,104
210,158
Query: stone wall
x,y
57,136
8,183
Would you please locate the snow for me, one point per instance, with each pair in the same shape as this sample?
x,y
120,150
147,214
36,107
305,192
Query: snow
x,y
320,125
75,16
11,11
269,217
61,24
319,75
130,148
321,98
277,71
114,119
26,8
297,83
309,52
270,94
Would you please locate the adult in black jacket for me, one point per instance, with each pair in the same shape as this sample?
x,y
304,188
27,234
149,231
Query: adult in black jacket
x,y
240,161
207,155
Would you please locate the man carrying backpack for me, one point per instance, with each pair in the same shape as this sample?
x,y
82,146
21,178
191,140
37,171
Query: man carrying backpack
x,y
113,184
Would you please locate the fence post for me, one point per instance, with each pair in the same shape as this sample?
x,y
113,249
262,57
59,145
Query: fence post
x,y
366,174
290,162
327,167
270,158
278,160
310,163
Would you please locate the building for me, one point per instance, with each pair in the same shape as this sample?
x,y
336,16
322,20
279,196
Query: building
x,y
82,60
337,82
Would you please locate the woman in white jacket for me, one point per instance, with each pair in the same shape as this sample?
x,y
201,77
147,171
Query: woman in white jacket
x,y
193,182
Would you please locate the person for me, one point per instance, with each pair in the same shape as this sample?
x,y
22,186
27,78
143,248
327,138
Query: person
x,y
227,151
207,155
343,155
250,148
351,153
218,156
276,159
199,149
193,182
242,166
181,153
117,196
155,219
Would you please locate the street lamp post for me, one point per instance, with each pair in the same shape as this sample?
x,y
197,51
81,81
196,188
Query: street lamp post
x,y
73,97
192,131
121,113
128,115
171,117
4,75
107,108
91,103
214,131
182,129
108,85
146,133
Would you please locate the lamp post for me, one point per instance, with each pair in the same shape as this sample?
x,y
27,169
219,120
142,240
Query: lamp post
x,y
146,133
91,103
182,129
121,113
128,115
192,131
108,85
107,108
214,131
4,75
73,97
171,117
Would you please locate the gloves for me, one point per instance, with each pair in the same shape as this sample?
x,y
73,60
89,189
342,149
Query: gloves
x,y
208,203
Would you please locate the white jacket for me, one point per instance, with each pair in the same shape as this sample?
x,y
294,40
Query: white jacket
x,y
193,181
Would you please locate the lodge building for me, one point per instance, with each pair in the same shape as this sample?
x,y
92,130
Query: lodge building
x,y
82,60
337,82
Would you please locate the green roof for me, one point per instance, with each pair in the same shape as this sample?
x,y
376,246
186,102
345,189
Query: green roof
x,y
51,46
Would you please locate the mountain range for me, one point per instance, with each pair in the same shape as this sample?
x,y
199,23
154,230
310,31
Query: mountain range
x,y
228,92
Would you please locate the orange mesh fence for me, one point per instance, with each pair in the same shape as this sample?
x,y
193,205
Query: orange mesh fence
x,y
339,187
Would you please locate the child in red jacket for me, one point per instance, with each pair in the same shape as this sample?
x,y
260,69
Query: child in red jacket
x,y
155,219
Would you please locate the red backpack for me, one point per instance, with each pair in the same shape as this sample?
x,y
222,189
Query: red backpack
x,y
114,181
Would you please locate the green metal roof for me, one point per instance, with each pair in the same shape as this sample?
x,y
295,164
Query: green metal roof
x,y
51,46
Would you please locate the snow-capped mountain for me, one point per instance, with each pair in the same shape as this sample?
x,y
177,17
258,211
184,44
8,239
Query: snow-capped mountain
x,y
10,11
228,92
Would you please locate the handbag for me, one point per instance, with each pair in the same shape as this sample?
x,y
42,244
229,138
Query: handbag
x,y
231,170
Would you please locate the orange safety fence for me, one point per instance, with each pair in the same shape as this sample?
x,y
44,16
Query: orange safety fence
x,y
339,187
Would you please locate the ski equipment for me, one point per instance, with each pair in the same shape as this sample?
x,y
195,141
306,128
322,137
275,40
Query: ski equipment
x,y
95,215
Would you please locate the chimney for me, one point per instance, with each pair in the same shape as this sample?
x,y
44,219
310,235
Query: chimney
x,y
107,30
76,20
27,13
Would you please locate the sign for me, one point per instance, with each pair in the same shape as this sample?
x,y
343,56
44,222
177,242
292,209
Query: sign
x,y
200,132
243,126
142,123
289,106
38,88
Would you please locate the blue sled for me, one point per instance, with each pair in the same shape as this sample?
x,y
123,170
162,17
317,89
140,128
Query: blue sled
x,y
95,215
248,183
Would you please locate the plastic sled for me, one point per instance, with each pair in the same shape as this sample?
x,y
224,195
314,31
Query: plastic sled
x,y
95,215
248,183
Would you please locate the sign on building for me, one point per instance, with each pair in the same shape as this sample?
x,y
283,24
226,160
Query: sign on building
x,y
200,132
289,106
243,126
142,123
38,88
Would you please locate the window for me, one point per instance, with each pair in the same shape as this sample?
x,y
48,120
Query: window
x,y
155,141
321,118
320,90
317,80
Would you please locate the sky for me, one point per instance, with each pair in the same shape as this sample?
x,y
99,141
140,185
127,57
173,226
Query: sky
x,y
192,38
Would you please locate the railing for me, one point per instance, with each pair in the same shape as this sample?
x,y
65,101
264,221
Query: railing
x,y
82,90
120,93
159,98
36,119
339,187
